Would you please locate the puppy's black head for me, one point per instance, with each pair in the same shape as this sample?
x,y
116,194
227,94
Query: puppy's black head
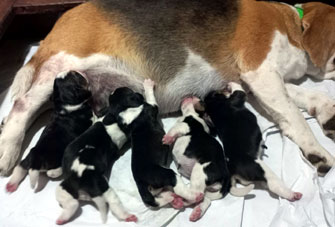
x,y
236,99
214,98
124,98
70,88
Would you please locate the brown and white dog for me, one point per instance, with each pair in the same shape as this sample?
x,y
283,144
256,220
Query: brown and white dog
x,y
187,47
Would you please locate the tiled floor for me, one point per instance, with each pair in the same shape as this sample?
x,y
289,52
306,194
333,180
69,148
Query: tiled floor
x,y
12,54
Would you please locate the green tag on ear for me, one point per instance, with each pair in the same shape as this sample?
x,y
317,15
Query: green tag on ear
x,y
300,10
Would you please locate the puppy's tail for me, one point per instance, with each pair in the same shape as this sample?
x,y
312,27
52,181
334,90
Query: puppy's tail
x,y
239,192
22,81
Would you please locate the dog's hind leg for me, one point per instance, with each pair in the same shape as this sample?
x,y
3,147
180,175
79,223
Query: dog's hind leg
x,y
269,89
19,120
18,175
213,195
194,193
164,198
177,130
199,177
148,86
101,204
200,209
276,185
54,173
186,192
317,104
117,208
68,203
98,189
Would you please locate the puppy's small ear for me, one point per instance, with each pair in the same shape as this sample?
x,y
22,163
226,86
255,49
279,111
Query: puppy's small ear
x,y
238,98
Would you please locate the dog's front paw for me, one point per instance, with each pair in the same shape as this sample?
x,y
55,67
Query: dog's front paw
x,y
18,175
168,140
11,187
177,202
131,218
324,111
321,163
196,214
295,196
55,173
148,83
328,127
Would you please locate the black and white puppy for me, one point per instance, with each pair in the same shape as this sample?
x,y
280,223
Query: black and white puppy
x,y
149,161
241,136
199,156
86,165
72,116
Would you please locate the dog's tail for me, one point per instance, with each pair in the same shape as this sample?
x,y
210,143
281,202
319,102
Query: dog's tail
x,y
66,201
22,81
240,192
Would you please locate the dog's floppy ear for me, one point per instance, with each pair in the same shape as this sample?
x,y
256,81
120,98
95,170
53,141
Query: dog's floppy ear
x,y
319,32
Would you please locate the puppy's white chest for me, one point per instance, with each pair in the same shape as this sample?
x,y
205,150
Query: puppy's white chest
x,y
116,134
284,58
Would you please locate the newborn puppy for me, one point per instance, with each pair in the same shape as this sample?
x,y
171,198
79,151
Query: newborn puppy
x,y
242,140
72,116
149,161
199,156
87,162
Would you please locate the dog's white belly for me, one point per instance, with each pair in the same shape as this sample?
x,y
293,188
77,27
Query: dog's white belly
x,y
284,58
106,73
197,77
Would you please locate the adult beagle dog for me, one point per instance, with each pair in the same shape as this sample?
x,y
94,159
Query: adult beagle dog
x,y
187,47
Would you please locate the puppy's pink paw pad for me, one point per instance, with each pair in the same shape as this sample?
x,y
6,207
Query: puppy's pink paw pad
x,y
196,214
11,187
131,218
148,83
296,196
177,202
60,222
199,197
168,139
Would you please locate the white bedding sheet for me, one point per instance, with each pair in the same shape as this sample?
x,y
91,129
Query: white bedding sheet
x,y
260,208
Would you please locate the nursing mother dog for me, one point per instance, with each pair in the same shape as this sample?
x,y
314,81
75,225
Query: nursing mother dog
x,y
187,47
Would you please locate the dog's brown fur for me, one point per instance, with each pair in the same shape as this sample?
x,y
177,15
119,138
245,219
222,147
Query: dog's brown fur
x,y
254,32
84,31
